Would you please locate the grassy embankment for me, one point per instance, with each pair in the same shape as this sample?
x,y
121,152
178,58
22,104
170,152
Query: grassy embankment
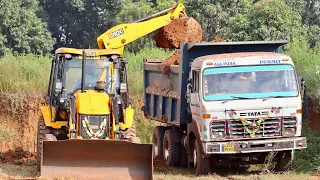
x,y
30,73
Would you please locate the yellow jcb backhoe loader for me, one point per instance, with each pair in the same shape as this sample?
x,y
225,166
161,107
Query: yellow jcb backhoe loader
x,y
86,128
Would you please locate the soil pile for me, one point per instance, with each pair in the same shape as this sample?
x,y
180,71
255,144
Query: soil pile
x,y
18,156
180,30
19,112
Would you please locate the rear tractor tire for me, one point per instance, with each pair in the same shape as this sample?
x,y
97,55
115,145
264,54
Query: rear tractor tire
x,y
44,133
130,134
171,148
157,140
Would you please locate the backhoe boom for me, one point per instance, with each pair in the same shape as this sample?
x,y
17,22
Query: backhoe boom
x,y
120,35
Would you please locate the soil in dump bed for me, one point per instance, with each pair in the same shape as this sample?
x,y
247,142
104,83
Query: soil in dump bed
x,y
180,30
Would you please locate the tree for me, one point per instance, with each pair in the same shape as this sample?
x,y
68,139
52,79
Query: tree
x,y
22,29
266,20
214,15
77,23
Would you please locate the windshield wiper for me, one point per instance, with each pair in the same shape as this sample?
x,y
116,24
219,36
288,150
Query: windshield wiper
x,y
240,97
271,97
235,97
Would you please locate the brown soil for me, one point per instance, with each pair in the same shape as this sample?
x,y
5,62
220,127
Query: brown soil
x,y
314,114
18,156
174,59
159,163
20,114
180,30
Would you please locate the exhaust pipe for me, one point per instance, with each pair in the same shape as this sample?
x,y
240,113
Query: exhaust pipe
x,y
83,81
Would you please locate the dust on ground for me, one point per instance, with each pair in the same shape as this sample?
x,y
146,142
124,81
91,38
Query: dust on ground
x,y
11,171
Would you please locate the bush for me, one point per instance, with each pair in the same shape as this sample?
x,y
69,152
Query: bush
x,y
307,61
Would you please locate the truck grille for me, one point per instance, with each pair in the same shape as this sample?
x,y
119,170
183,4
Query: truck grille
x,y
271,127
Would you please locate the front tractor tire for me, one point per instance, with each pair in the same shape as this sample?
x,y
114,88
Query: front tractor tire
x,y
130,134
201,164
43,133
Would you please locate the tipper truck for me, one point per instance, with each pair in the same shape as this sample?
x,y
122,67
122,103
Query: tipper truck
x,y
225,104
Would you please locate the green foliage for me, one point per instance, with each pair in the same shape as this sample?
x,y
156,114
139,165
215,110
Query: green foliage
x,y
21,28
77,23
214,15
24,74
266,20
308,159
307,62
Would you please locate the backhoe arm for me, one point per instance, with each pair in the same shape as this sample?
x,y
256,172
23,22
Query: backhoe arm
x,y
120,35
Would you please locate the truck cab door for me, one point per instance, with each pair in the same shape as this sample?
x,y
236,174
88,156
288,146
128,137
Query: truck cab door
x,y
195,96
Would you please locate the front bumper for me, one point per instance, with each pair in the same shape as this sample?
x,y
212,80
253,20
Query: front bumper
x,y
250,146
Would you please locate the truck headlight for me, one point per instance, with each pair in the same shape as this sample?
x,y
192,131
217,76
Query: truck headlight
x,y
215,135
289,131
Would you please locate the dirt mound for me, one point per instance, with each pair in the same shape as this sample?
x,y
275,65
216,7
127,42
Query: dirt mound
x,y
19,115
180,30
159,163
174,59
18,156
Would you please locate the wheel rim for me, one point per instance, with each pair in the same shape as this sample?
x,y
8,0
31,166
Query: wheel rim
x,y
166,153
195,158
156,150
166,150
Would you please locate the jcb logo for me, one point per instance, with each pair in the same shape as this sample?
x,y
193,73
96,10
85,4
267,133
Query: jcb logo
x,y
116,33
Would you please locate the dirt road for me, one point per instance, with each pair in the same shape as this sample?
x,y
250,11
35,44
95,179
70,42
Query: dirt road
x,y
28,171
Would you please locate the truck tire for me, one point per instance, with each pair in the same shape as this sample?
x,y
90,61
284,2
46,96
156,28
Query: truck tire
x,y
171,148
284,161
184,153
42,134
202,164
157,140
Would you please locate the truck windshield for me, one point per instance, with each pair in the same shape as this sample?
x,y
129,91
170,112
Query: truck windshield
x,y
96,70
249,82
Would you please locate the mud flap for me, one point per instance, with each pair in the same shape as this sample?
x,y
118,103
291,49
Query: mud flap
x,y
96,159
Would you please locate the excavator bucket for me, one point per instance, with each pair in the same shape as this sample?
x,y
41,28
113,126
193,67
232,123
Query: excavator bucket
x,y
96,159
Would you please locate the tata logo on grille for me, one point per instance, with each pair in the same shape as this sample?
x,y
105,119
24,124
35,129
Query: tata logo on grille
x,y
264,113
116,33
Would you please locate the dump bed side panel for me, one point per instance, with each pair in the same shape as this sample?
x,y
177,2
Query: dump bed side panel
x,y
160,107
162,93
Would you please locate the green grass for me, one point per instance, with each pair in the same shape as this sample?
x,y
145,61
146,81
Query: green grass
x,y
5,132
309,159
24,74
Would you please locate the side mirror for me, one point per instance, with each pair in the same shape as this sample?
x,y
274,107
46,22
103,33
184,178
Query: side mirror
x,y
58,88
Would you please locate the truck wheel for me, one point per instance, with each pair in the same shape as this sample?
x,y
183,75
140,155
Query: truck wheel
x,y
284,160
171,148
184,153
201,164
43,133
157,140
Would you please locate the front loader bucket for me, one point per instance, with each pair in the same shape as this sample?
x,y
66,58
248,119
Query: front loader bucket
x,y
96,159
